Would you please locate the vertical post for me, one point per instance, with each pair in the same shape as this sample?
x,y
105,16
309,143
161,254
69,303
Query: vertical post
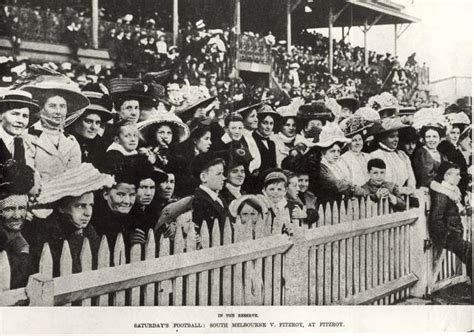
x,y
395,40
295,269
237,17
175,22
95,24
343,35
421,263
331,52
288,26
366,51
40,290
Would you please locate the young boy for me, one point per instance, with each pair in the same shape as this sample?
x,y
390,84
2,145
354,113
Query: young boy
x,y
124,148
208,205
379,189
233,136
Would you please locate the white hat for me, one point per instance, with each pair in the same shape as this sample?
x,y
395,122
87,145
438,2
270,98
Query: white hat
x,y
259,199
128,17
147,126
200,24
330,134
429,117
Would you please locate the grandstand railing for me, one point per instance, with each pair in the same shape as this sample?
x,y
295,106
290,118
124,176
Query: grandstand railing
x,y
254,50
358,253
49,27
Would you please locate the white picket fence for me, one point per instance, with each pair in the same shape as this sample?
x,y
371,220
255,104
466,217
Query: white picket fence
x,y
358,253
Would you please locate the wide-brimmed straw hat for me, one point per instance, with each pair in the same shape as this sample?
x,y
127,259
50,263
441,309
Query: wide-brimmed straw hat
x,y
100,101
330,134
385,104
344,96
267,110
388,125
430,117
460,118
74,182
19,98
258,199
186,112
147,127
354,125
45,86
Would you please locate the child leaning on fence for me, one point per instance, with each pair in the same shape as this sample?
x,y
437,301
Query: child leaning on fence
x,y
444,224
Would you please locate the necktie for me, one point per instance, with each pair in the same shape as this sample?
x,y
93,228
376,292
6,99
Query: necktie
x,y
18,150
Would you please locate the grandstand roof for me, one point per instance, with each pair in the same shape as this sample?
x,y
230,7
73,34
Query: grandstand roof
x,y
355,12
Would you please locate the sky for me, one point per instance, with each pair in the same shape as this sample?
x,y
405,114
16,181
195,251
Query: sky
x,y
442,39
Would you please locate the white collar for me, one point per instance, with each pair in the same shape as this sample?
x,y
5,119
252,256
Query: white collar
x,y
118,147
211,193
7,138
226,138
235,191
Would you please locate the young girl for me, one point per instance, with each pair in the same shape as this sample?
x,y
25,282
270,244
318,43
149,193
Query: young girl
x,y
444,222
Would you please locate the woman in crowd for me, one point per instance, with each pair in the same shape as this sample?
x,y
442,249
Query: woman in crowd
x,y
354,161
426,159
87,127
237,162
409,140
249,115
71,195
16,180
399,169
160,135
287,135
333,182
450,149
266,120
61,103
444,223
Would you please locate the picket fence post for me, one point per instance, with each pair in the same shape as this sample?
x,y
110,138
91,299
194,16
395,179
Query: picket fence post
x,y
295,269
420,263
40,290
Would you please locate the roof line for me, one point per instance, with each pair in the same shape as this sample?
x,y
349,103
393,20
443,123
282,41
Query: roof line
x,y
384,10
451,77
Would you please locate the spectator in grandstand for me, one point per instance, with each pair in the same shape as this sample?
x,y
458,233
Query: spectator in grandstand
x,y
267,117
61,102
333,183
426,159
354,162
450,149
71,195
237,160
208,205
312,117
286,130
444,223
17,110
380,189
409,140
249,209
307,197
111,215
399,169
298,210
87,127
16,180
160,136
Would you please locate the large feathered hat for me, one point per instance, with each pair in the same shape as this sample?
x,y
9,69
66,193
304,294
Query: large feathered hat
x,y
385,104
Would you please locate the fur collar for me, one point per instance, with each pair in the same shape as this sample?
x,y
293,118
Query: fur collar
x,y
444,188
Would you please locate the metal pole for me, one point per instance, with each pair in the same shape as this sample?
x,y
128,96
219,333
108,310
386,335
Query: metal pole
x,y
95,24
395,41
237,17
288,26
366,51
175,22
330,42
